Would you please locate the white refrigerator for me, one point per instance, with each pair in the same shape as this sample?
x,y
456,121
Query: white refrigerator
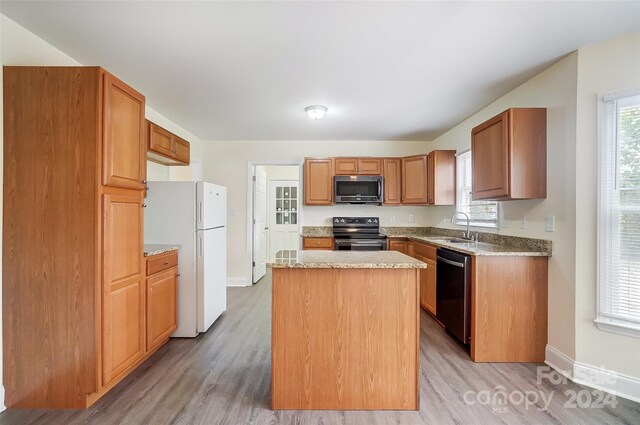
x,y
194,216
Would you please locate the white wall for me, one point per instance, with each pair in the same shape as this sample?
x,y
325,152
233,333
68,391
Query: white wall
x,y
18,46
226,163
602,68
21,47
555,89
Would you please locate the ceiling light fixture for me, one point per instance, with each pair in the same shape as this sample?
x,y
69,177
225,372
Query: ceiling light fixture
x,y
316,112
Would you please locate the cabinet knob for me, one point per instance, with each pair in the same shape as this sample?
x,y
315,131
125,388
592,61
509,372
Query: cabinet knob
x,y
166,263
317,243
144,205
144,182
178,275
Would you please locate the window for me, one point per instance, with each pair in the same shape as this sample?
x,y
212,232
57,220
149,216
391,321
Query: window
x,y
619,216
481,213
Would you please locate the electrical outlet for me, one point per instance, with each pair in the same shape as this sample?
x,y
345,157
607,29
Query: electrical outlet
x,y
410,218
550,223
523,222
392,219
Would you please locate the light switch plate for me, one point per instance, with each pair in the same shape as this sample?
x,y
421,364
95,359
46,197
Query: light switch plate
x,y
410,218
550,223
523,222
392,219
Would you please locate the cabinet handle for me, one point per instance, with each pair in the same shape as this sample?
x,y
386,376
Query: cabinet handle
x,y
166,263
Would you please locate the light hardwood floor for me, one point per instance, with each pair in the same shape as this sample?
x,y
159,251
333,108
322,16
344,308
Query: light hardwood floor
x,y
223,377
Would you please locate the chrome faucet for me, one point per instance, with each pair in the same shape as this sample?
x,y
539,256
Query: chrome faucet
x,y
467,234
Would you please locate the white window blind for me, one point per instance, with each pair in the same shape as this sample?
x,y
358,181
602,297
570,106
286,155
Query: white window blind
x,y
481,213
619,217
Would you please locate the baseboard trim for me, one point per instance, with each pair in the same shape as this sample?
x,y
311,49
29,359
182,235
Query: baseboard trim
x,y
594,377
237,281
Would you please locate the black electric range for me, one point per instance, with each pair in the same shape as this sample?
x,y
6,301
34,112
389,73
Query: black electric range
x,y
358,234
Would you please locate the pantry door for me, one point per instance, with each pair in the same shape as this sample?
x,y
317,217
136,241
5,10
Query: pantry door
x,y
284,211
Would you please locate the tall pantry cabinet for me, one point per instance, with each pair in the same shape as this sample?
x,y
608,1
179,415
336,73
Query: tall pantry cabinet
x,y
73,265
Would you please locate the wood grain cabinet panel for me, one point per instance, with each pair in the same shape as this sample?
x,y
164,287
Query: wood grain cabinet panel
x,y
317,243
161,306
73,276
123,140
414,180
123,303
441,177
358,166
398,245
318,181
345,166
165,147
428,294
509,155
392,173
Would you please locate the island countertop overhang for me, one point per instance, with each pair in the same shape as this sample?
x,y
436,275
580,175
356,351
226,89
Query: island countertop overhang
x,y
349,260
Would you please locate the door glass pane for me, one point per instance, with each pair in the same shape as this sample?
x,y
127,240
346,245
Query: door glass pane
x,y
294,205
278,192
294,218
278,218
286,218
286,205
278,205
294,193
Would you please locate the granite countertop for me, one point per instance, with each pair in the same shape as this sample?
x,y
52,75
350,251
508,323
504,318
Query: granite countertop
x,y
349,260
155,249
492,244
480,248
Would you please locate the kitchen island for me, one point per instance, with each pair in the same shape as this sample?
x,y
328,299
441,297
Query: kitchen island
x,y
345,331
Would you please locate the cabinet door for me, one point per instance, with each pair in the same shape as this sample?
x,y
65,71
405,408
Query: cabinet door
x,y
123,144
429,296
346,166
162,317
400,246
370,166
160,140
414,180
318,181
392,173
182,151
123,284
490,159
431,178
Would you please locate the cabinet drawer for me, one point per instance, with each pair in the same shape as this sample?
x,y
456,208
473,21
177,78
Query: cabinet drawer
x,y
161,262
425,250
317,243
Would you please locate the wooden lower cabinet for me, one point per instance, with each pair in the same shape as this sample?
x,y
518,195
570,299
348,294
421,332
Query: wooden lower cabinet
x,y
398,245
162,317
325,243
427,254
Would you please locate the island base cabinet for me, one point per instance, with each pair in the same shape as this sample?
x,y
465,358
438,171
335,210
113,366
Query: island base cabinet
x,y
509,309
345,339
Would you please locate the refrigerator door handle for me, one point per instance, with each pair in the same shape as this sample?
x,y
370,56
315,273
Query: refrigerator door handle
x,y
200,247
199,219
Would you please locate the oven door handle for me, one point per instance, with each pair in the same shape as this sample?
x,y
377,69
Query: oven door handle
x,y
453,263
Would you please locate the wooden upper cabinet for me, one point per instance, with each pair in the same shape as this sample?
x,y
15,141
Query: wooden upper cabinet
x,y
182,151
165,147
346,166
123,342
441,177
414,180
509,155
355,166
318,181
392,173
124,151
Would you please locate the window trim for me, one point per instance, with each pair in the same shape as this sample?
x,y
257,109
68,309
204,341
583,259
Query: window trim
x,y
475,224
603,320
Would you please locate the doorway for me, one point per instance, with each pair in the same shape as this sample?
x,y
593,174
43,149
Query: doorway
x,y
276,218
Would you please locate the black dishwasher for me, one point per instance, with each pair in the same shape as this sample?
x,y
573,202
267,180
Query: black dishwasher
x,y
453,293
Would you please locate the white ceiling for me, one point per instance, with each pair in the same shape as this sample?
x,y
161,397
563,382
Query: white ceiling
x,y
387,70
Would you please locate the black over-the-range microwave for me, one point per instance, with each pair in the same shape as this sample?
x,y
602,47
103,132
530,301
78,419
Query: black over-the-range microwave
x,y
358,189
